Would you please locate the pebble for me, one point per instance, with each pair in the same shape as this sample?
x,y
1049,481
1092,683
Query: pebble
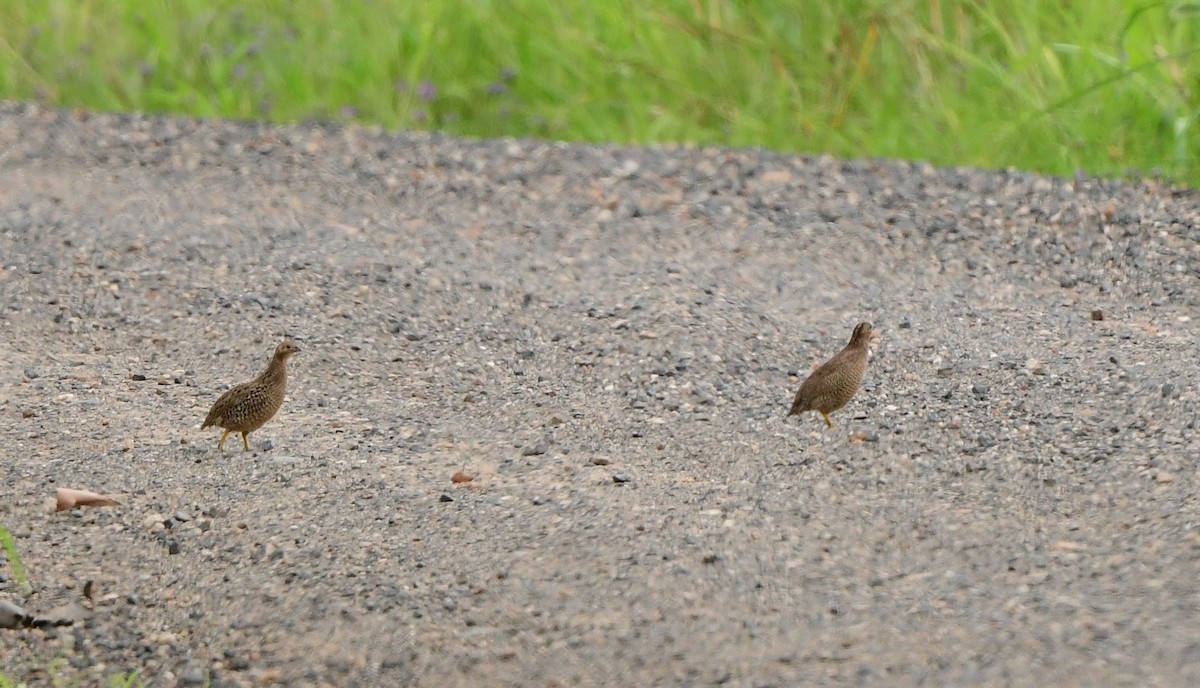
x,y
193,676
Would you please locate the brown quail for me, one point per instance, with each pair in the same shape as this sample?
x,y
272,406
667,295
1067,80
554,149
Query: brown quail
x,y
248,406
833,384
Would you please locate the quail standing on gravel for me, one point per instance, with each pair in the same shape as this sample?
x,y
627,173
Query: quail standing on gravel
x,y
833,384
248,406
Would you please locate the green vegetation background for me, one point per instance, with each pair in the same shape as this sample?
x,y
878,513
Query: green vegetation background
x,y
1107,86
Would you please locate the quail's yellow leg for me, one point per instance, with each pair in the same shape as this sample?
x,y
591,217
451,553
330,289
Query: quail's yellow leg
x,y
245,443
221,444
826,417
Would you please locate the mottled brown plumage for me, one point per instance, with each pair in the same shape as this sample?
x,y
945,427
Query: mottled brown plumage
x,y
833,384
248,406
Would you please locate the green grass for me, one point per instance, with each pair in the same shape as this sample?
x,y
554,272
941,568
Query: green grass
x,y
9,547
1107,86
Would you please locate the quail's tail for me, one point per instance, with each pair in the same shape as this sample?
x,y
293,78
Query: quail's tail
x,y
797,408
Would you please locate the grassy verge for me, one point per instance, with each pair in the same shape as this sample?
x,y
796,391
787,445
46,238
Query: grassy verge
x,y
1105,86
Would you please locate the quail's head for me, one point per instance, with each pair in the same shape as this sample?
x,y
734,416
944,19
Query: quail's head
x,y
286,348
862,334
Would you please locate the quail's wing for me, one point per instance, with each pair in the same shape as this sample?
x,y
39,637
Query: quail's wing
x,y
824,370
230,399
814,381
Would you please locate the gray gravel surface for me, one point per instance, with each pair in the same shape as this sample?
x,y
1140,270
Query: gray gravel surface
x,y
607,339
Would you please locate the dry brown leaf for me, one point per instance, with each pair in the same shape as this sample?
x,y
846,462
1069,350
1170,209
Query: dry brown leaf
x,y
67,498
12,616
65,615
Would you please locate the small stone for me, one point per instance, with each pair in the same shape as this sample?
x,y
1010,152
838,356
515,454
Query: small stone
x,y
173,546
534,449
151,520
600,461
138,377
237,663
1163,478
192,676
1035,366
445,498
1097,314
980,390
182,516
32,373
28,413
620,478
1067,282
1167,390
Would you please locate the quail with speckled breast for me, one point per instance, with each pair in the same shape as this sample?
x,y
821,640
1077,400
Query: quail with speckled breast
x,y
833,384
248,406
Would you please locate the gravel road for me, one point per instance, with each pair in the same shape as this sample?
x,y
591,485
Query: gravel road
x,y
607,339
